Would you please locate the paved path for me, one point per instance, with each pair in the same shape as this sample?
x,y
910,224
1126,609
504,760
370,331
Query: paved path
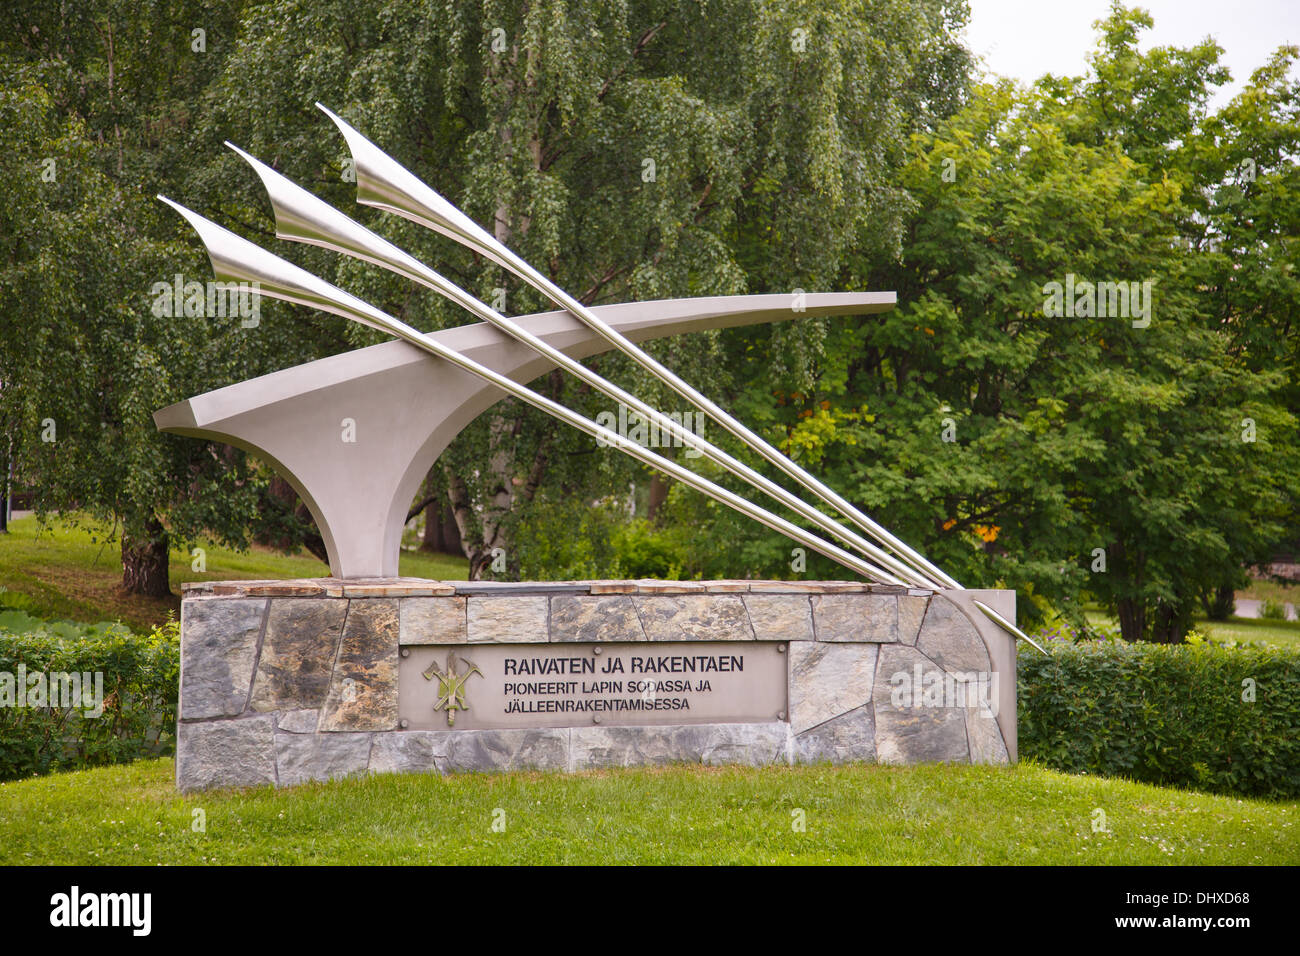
x,y
1250,607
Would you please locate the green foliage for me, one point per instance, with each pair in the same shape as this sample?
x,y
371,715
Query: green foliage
x,y
1172,715
644,551
1272,610
568,540
140,676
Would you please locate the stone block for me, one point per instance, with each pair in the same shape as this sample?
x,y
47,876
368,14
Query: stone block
x,y
363,689
985,738
844,739
856,617
603,747
486,750
507,619
597,617
303,758
911,612
410,751
297,721
298,650
694,617
218,651
780,617
435,620
225,753
827,680
950,640
907,730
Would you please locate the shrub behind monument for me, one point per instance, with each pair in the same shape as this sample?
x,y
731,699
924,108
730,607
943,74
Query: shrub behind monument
x,y
140,681
1221,719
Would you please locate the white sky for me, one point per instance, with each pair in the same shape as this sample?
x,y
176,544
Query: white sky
x,y
1024,39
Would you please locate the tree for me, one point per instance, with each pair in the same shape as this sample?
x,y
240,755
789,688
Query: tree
x,y
630,151
96,120
1102,449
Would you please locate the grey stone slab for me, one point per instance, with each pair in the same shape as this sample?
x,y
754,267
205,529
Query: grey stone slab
x,y
303,758
297,721
986,743
363,689
780,617
225,753
856,617
410,751
218,650
597,617
829,679
507,619
601,747
436,620
521,588
950,640
694,617
752,744
847,738
907,729
911,612
302,636
920,735
485,750
755,745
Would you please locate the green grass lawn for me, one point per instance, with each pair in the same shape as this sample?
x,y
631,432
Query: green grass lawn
x,y
853,814
70,573
1239,629
1267,589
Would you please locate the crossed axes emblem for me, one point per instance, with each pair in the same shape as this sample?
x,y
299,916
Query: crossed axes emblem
x,y
451,686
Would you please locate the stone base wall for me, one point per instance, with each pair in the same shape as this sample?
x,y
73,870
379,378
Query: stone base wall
x,y
284,682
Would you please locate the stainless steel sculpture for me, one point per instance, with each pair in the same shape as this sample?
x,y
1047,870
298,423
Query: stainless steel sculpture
x,y
235,259
383,183
302,217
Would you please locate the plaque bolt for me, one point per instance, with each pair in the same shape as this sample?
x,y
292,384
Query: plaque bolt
x,y
780,715
597,650
780,648
406,652
403,724
595,720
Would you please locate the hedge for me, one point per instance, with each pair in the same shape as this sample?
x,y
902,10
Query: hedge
x,y
1175,715
140,677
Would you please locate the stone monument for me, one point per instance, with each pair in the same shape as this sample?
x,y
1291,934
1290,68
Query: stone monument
x,y
289,681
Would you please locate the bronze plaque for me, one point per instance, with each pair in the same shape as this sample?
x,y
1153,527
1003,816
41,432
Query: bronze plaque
x,y
501,686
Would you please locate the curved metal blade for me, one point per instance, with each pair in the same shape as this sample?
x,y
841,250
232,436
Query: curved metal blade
x,y
238,258
303,217
386,184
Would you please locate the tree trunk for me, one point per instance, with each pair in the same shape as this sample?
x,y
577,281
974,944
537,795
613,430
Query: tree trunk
x,y
1171,623
441,535
1221,603
658,494
144,561
1132,619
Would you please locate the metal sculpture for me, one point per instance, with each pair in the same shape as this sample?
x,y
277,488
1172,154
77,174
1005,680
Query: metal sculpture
x,y
385,184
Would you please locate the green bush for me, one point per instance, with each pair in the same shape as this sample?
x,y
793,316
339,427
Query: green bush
x,y
1272,610
644,551
140,675
1175,715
